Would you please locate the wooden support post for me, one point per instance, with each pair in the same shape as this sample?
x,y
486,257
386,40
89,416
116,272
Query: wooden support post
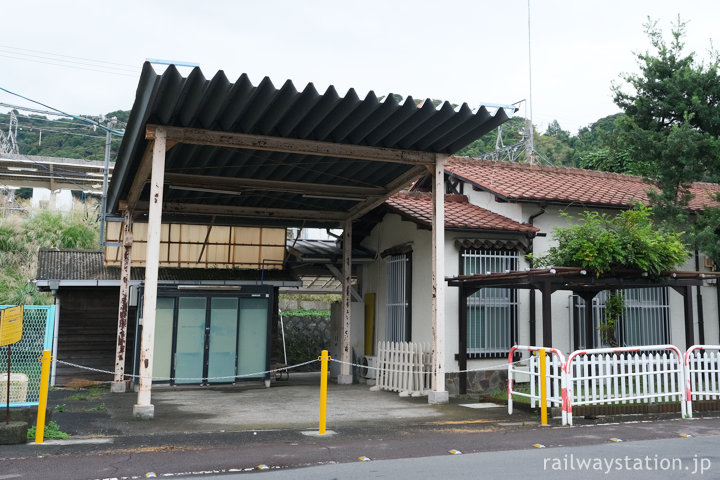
x,y
689,320
144,409
118,384
345,376
546,314
438,394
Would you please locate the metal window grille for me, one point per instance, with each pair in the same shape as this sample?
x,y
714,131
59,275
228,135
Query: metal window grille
x,y
398,298
491,312
38,322
646,320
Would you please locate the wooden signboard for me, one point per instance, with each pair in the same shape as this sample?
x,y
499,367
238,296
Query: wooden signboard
x,y
11,325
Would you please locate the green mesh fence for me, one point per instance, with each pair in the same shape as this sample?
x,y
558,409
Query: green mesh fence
x,y
38,323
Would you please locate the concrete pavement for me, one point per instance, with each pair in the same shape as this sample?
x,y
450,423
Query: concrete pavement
x,y
287,405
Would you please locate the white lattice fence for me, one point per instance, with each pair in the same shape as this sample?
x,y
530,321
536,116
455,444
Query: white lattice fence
x,y
404,367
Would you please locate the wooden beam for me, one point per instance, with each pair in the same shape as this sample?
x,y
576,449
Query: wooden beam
x,y
196,136
248,212
141,177
393,187
239,184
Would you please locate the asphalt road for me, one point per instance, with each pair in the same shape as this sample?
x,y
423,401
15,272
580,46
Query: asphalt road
x,y
289,452
643,459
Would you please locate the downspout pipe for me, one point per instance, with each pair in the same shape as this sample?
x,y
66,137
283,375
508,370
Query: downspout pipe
x,y
698,295
533,313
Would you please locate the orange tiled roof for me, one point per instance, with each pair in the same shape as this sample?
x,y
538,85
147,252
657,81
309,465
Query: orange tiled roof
x,y
515,181
459,213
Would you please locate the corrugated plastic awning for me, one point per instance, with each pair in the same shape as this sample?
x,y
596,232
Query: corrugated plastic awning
x,y
292,165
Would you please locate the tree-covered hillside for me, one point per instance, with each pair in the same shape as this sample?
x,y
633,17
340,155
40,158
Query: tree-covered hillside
x,y
63,137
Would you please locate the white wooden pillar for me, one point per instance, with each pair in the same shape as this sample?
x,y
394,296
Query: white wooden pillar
x,y
438,394
118,384
143,408
345,376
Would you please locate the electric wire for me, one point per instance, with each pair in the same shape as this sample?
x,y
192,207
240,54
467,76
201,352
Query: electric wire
x,y
91,122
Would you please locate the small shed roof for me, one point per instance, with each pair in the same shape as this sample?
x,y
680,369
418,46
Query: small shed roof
x,y
76,268
289,163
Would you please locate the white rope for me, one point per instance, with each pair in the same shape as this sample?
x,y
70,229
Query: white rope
x,y
229,377
491,367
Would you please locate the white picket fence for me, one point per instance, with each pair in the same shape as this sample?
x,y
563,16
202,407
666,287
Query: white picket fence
x,y
404,367
652,373
702,374
647,374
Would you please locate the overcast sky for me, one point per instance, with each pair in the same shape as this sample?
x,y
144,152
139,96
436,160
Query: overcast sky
x,y
84,57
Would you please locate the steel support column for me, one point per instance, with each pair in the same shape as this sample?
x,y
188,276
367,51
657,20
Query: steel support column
x,y
118,384
345,376
144,409
438,394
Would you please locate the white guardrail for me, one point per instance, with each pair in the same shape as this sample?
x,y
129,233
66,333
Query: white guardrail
x,y
643,374
624,375
556,393
702,374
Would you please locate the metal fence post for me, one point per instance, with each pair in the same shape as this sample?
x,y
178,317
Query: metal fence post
x,y
324,357
42,403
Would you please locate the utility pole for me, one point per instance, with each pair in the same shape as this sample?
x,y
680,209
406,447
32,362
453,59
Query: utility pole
x,y
111,123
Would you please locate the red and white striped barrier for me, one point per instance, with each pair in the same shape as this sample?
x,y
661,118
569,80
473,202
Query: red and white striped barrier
x,y
554,378
624,375
702,374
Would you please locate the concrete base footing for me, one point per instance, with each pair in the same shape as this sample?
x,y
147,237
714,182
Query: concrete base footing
x,y
13,433
144,412
118,387
344,379
438,398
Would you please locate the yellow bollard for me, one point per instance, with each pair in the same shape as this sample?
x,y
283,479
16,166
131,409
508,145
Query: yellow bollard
x,y
42,403
324,358
543,389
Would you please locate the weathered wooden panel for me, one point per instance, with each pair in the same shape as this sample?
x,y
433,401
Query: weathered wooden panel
x,y
204,246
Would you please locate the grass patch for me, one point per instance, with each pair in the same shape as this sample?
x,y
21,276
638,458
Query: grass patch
x,y
90,393
52,430
501,394
99,408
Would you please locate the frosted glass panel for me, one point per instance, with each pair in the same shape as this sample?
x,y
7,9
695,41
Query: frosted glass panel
x,y
162,355
190,348
223,340
252,336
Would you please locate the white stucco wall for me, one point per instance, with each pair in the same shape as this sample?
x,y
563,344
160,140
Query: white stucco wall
x,y
393,231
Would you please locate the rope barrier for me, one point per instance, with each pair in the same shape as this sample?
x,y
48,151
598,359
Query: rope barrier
x,y
502,366
198,379
282,369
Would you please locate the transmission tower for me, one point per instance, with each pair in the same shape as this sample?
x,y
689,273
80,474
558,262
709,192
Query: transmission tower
x,y
8,142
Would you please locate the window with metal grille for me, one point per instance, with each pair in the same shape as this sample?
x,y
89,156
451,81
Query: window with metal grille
x,y
491,312
646,320
397,328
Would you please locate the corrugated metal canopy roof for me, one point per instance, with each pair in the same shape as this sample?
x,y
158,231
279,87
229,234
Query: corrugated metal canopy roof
x,y
276,185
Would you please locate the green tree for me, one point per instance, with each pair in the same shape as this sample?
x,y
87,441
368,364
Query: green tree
x,y
20,239
629,240
671,129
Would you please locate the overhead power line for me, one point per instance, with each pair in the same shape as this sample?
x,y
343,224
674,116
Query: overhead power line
x,y
82,119
68,61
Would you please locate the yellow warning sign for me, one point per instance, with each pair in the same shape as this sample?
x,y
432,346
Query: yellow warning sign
x,y
11,325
